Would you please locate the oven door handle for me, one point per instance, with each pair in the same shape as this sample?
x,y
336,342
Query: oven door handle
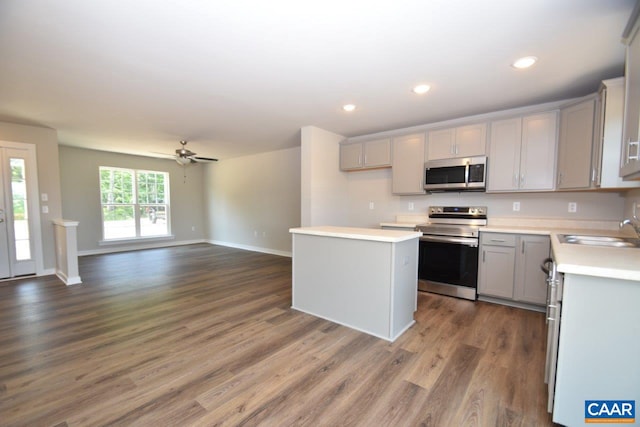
x,y
467,241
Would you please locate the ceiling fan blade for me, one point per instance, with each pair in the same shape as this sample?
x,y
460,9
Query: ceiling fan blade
x,y
205,159
163,155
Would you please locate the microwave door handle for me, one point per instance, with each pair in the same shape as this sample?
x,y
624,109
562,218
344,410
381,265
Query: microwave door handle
x,y
466,175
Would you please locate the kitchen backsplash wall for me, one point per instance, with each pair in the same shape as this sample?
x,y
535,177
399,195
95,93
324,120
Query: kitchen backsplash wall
x,y
374,186
632,198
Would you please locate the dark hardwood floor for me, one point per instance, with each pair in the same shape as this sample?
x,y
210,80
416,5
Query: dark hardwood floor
x,y
204,335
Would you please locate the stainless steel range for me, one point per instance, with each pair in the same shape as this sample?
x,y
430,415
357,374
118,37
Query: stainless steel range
x,y
448,260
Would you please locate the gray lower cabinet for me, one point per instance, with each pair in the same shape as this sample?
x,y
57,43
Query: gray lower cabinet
x,y
509,267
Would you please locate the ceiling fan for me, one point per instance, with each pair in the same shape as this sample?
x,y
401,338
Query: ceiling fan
x,y
184,156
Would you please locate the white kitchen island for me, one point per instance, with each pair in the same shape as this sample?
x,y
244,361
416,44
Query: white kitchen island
x,y
362,278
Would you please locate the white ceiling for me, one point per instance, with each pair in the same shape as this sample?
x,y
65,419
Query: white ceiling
x,y
243,76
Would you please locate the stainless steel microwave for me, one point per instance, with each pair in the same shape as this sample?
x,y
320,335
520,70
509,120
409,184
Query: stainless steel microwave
x,y
463,174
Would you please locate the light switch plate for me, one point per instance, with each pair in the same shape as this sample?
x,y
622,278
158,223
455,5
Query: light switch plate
x,y
371,205
411,206
573,207
516,206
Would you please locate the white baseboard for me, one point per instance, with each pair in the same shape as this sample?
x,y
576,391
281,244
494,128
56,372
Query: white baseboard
x,y
251,248
46,272
75,280
135,247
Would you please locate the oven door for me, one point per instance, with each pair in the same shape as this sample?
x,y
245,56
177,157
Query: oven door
x,y
448,265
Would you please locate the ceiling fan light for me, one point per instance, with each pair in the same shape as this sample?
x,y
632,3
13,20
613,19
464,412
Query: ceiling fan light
x,y
183,161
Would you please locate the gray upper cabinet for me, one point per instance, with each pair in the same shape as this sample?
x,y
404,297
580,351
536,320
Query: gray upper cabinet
x,y
365,155
630,168
522,153
408,164
606,146
462,141
575,145
350,156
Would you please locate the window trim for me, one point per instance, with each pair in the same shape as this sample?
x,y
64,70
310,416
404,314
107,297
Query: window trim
x,y
136,207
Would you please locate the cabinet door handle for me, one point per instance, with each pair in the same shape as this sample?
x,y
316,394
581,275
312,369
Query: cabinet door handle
x,y
515,179
365,159
483,255
456,149
523,246
521,180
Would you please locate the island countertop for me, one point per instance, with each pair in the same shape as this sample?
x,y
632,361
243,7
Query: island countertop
x,y
373,234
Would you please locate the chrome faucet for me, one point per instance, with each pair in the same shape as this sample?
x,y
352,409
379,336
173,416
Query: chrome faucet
x,y
634,222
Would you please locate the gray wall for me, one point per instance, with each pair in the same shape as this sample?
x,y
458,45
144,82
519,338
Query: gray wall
x,y
252,201
46,142
632,199
324,188
81,195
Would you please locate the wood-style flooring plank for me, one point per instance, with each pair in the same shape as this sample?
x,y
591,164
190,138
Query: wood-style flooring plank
x,y
204,335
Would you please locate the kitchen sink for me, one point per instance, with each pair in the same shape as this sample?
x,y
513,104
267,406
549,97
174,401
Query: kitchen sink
x,y
605,241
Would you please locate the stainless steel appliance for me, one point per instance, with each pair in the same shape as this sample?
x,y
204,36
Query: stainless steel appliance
x,y
463,174
554,309
448,254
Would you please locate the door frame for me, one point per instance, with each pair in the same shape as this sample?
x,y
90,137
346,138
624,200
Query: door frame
x,y
33,207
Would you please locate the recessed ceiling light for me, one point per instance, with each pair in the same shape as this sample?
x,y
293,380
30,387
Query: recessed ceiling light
x,y
524,62
421,89
349,107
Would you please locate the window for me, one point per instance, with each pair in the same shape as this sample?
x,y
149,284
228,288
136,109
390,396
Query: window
x,y
135,203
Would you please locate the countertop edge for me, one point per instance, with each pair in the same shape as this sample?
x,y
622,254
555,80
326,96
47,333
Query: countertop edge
x,y
371,234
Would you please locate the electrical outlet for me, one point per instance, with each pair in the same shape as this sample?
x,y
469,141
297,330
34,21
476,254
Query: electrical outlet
x,y
193,228
255,233
410,206
573,207
516,206
371,205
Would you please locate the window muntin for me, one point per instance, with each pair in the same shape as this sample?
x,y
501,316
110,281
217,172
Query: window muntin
x,y
135,203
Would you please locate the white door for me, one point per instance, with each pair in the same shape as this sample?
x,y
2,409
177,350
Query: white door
x,y
18,211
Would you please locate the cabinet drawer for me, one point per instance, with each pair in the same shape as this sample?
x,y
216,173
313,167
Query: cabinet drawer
x,y
498,239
